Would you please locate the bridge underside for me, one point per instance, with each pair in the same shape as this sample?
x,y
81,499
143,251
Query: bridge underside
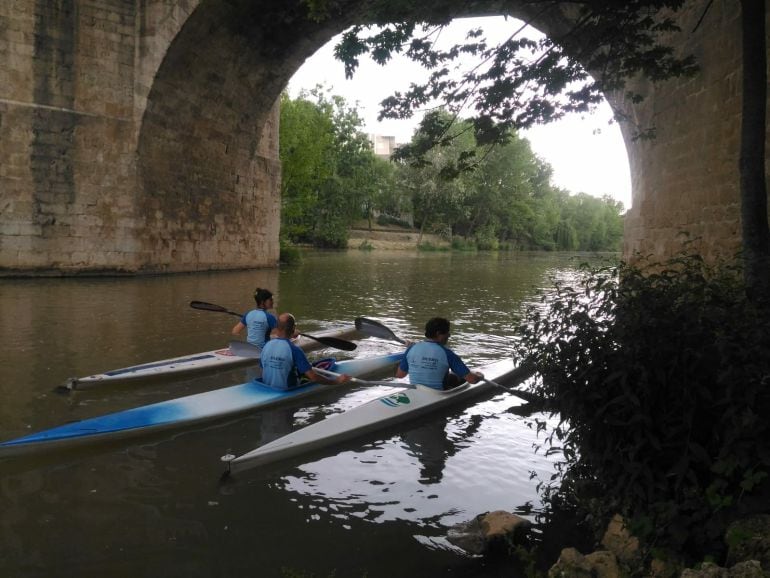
x,y
142,137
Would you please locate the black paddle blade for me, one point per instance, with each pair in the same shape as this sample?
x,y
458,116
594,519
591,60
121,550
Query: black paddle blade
x,y
333,342
376,329
207,306
212,307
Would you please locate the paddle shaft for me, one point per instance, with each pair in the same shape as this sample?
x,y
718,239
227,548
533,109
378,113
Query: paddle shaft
x,y
522,373
334,342
332,375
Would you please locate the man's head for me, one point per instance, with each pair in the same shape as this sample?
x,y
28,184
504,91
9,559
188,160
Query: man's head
x,y
437,329
286,325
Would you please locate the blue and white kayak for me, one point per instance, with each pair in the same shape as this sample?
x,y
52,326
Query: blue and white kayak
x,y
208,361
184,410
384,411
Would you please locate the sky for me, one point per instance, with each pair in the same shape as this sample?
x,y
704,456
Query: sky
x,y
587,153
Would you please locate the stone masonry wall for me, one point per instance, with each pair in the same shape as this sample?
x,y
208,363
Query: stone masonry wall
x,y
75,78
143,136
686,180
65,112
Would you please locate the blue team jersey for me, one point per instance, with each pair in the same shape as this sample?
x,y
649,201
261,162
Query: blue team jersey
x,y
259,323
428,362
282,364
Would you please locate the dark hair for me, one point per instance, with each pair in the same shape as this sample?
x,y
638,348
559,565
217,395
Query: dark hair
x,y
262,295
436,325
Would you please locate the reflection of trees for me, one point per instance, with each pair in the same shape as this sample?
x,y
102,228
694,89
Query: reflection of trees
x,y
432,445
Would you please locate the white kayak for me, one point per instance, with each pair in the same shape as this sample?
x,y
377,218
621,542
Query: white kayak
x,y
186,410
206,362
376,414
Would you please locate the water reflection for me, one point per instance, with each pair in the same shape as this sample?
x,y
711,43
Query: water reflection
x,y
155,507
432,474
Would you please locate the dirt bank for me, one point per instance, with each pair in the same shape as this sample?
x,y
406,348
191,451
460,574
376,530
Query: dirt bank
x,y
391,239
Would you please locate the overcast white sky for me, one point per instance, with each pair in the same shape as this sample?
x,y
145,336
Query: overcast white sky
x,y
587,153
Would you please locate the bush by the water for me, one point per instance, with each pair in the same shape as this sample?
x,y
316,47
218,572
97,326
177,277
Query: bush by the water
x,y
289,254
388,220
660,380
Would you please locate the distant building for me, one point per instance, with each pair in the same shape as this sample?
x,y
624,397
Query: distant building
x,y
383,145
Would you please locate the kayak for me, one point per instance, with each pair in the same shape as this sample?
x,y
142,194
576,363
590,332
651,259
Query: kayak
x,y
184,410
376,414
208,361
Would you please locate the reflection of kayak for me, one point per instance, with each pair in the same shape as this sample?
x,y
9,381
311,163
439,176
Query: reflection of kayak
x,y
184,410
208,361
376,414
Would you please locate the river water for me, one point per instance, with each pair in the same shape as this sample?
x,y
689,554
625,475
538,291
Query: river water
x,y
379,506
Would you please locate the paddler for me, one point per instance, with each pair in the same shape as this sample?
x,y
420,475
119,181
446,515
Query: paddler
x,y
283,362
259,322
432,363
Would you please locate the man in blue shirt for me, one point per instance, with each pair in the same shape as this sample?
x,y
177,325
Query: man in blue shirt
x,y
259,322
429,362
283,362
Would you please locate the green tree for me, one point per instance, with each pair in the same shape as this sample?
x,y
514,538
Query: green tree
x,y
330,174
306,146
436,191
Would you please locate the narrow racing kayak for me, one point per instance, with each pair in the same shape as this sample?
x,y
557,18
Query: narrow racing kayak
x,y
184,410
384,411
208,361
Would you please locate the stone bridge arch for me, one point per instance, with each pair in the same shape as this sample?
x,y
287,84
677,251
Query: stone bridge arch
x,y
142,136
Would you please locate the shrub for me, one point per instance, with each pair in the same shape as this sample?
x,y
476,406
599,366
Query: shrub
x,y
428,247
289,254
462,244
660,379
386,220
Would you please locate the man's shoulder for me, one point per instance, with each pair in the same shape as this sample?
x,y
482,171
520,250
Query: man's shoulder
x,y
276,342
294,347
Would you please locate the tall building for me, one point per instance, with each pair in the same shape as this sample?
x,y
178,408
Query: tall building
x,y
383,145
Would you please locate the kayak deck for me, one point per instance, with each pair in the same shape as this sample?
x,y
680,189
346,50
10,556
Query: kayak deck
x,y
379,413
207,361
183,411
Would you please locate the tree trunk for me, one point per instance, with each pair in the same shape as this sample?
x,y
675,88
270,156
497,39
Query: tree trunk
x,y
756,235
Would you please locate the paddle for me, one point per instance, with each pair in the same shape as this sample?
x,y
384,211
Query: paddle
x,y
327,341
525,395
244,349
332,375
377,329
202,305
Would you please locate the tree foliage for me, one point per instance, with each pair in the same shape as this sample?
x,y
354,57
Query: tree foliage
x,y
526,79
330,174
508,200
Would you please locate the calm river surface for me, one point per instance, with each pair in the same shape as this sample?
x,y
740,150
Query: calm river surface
x,y
379,506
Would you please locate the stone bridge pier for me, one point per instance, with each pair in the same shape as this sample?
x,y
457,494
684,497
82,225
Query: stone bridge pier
x,y
141,136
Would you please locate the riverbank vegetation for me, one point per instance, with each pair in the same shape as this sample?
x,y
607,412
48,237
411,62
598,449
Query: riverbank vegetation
x,y
660,374
332,178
